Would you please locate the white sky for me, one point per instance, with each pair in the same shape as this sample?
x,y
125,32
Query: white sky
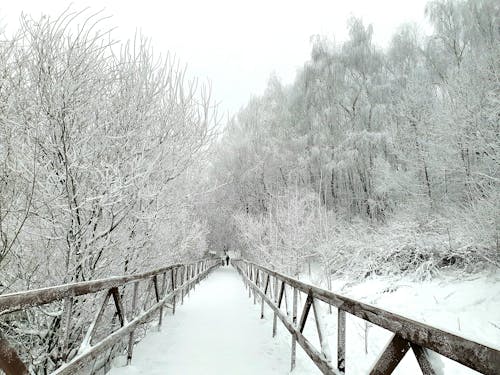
x,y
236,44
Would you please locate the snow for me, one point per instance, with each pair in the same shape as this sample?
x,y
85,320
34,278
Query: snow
x,y
217,331
467,306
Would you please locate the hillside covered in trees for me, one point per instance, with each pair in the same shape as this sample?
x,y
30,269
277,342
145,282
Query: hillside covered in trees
x,y
372,161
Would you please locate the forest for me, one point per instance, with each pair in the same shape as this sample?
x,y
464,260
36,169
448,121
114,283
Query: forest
x,y
372,161
114,160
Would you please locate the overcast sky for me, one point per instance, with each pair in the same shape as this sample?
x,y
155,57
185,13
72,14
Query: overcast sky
x,y
236,44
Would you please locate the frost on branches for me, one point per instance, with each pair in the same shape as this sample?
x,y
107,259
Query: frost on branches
x,y
97,140
373,161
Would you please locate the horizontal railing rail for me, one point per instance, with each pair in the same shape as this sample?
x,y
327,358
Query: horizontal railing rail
x,y
163,285
274,288
36,297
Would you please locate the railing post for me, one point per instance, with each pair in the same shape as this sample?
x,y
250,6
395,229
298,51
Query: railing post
x,y
160,296
157,297
329,285
118,305
428,362
87,340
188,278
196,273
275,315
183,276
266,287
173,274
287,303
130,348
68,307
256,281
249,274
294,320
146,294
280,300
325,348
9,359
341,328
393,353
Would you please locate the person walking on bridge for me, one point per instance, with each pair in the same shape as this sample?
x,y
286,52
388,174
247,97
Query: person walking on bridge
x,y
227,259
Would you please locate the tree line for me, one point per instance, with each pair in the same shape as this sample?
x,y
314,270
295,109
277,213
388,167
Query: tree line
x,y
372,160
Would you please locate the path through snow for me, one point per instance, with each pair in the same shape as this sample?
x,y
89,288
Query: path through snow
x,y
217,331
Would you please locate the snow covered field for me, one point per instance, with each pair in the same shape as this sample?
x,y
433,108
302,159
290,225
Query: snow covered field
x,y
218,330
469,308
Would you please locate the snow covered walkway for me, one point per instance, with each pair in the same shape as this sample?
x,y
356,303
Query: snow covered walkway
x,y
217,331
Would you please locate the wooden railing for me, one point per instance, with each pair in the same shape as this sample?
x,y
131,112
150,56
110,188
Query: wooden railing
x,y
275,289
161,286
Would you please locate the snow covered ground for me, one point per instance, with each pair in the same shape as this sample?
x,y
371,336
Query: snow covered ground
x,y
469,307
218,330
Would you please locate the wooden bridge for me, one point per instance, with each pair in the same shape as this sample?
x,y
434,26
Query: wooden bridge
x,y
141,299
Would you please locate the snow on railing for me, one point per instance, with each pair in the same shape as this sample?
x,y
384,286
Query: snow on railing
x,y
166,283
275,288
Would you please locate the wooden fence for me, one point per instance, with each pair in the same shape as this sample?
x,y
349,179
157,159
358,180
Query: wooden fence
x,y
275,290
161,286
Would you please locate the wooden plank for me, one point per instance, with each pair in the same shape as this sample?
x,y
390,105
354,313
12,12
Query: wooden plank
x,y
391,356
469,353
20,300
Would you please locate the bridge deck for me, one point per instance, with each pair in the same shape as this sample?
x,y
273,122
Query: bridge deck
x,y
217,331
